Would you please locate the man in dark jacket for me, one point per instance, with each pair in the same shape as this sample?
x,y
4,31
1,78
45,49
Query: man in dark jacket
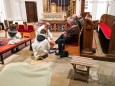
x,y
70,36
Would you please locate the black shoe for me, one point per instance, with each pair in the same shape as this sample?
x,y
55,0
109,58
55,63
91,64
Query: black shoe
x,y
57,54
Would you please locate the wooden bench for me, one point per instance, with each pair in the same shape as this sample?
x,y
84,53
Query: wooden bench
x,y
107,33
9,49
82,61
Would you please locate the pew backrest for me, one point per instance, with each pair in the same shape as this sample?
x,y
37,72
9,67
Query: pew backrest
x,y
107,19
88,34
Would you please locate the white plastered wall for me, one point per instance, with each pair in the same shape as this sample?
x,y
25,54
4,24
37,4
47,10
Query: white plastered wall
x,y
78,6
16,10
111,9
8,9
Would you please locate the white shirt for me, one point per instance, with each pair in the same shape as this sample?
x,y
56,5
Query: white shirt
x,y
42,27
40,48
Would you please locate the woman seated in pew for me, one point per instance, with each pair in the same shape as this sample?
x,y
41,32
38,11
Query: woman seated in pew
x,y
68,37
13,35
41,45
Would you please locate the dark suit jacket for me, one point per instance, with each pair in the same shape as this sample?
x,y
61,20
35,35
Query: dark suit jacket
x,y
72,34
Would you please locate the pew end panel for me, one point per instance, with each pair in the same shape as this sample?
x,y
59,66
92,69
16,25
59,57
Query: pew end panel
x,y
88,37
111,49
107,34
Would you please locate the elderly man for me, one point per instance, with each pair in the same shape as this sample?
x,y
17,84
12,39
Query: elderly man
x,y
79,20
70,36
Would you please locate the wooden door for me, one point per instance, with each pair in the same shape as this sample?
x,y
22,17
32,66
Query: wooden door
x,y
31,11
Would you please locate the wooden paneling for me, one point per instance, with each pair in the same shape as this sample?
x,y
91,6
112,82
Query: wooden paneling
x,y
112,41
108,20
87,36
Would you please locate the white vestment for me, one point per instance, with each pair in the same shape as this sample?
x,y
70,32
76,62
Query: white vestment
x,y
40,48
42,27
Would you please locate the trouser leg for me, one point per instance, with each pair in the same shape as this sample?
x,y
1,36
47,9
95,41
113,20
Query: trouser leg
x,y
61,37
60,45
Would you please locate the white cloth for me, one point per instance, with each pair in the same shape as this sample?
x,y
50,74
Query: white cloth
x,y
42,27
14,41
24,74
40,48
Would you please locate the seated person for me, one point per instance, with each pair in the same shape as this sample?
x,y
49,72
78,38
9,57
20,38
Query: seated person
x,y
40,45
70,36
88,16
49,34
79,20
13,35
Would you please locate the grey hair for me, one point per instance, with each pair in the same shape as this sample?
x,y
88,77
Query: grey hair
x,y
71,19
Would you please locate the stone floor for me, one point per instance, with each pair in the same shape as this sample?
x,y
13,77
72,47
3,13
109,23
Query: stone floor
x,y
101,74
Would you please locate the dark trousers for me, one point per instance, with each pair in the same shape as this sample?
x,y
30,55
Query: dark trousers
x,y
60,41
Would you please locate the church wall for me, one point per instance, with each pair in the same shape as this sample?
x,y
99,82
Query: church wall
x,y
112,8
78,6
94,10
16,10
8,9
2,11
99,7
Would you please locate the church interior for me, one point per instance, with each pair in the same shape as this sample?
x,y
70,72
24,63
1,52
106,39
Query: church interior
x,y
57,42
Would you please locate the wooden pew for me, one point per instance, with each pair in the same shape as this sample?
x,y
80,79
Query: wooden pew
x,y
86,41
107,33
88,38
75,48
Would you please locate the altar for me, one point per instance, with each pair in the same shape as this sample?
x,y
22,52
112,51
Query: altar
x,y
56,18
